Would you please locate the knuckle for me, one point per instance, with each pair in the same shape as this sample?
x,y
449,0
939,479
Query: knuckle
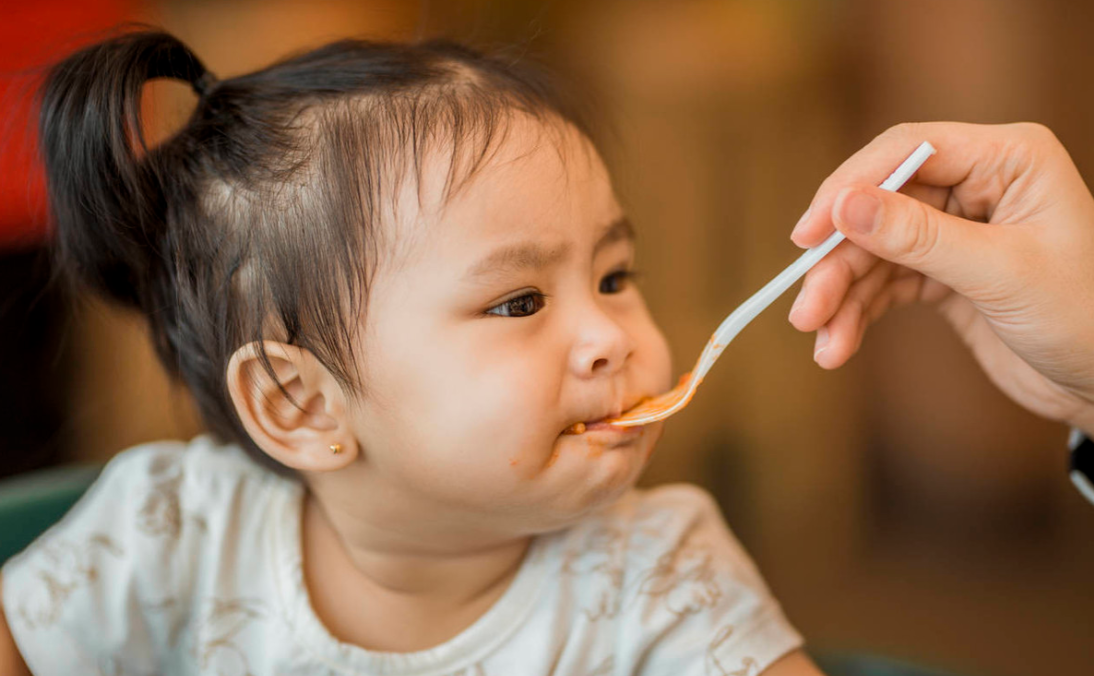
x,y
879,307
850,171
844,272
924,234
901,131
1035,135
856,309
1037,131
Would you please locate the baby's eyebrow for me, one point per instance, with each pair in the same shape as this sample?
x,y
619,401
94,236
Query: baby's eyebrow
x,y
618,229
537,257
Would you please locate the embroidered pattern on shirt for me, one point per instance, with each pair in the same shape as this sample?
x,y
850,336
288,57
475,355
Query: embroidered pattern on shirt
x,y
683,580
66,567
598,561
161,512
216,648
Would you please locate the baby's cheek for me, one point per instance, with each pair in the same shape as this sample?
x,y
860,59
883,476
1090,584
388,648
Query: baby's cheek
x,y
510,421
461,465
657,359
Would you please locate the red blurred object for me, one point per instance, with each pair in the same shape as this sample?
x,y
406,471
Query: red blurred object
x,y
33,35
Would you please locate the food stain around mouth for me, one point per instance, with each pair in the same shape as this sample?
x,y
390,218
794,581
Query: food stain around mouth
x,y
594,449
657,405
576,428
580,428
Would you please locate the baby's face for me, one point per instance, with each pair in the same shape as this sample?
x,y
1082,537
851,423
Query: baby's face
x,y
505,316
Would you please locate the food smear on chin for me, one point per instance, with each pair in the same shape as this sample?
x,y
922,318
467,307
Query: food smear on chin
x,y
551,460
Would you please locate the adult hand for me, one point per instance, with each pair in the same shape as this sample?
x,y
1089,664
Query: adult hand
x,y
996,230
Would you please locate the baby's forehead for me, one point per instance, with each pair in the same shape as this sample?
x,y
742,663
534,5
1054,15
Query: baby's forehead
x,y
536,182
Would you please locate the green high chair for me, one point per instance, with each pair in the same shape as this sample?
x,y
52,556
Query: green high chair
x,y
32,502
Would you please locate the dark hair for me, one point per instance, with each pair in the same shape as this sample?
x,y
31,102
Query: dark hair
x,y
257,219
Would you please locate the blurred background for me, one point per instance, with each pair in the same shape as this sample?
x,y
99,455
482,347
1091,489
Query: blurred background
x,y
899,505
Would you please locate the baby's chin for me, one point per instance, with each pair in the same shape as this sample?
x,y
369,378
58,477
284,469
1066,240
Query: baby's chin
x,y
594,473
572,508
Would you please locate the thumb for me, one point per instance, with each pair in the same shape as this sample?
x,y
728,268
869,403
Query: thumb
x,y
962,254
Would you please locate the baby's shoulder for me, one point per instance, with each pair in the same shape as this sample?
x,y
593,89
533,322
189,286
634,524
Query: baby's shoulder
x,y
201,477
149,526
165,525
152,499
163,492
203,460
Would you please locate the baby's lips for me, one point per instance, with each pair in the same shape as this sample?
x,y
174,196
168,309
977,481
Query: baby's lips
x,y
576,428
630,408
580,427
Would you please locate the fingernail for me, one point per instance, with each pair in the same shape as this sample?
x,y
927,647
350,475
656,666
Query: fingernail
x,y
798,303
798,226
857,211
822,342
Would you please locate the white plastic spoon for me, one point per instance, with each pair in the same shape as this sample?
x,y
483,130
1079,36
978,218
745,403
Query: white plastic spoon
x,y
678,397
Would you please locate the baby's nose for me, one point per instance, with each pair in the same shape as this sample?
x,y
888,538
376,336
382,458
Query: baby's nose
x,y
602,347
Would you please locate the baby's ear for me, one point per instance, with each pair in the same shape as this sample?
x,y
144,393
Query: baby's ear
x,y
312,435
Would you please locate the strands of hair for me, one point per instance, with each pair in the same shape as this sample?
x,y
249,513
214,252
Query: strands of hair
x,y
216,234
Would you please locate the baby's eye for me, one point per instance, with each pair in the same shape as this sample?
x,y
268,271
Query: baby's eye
x,y
617,281
521,306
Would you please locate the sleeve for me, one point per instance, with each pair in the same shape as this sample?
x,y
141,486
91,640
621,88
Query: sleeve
x,y
72,598
700,607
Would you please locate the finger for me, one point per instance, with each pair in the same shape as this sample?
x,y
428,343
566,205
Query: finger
x,y
898,292
938,197
966,256
903,287
827,283
966,152
839,338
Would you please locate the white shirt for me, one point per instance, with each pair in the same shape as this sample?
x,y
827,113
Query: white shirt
x,y
185,558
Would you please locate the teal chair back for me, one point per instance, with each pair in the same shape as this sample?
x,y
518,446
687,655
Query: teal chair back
x,y
32,502
847,664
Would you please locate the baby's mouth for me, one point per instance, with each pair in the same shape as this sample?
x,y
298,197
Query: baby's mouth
x,y
582,428
602,423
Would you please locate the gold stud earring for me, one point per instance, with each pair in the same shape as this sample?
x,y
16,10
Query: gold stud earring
x,y
336,448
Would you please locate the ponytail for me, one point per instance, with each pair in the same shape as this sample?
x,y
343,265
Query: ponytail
x,y
258,220
105,191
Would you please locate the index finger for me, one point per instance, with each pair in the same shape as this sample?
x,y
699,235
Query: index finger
x,y
966,152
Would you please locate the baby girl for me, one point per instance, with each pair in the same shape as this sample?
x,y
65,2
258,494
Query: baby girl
x,y
398,283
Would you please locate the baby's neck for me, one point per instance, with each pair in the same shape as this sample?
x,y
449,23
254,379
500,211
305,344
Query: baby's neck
x,y
397,599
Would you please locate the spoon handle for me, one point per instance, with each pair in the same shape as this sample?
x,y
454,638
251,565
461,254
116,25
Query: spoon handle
x,y
759,302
